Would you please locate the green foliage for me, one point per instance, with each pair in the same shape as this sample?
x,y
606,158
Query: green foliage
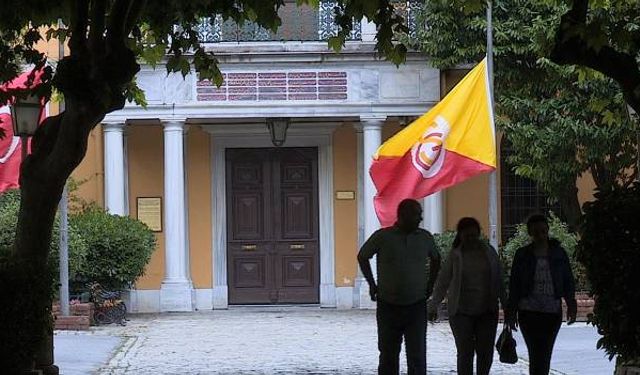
x,y
119,248
110,249
610,251
561,121
9,206
557,230
444,242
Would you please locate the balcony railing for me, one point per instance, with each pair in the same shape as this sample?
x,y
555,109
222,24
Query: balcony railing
x,y
299,23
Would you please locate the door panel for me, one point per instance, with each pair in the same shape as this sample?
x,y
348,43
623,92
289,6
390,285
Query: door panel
x,y
273,225
297,215
248,209
249,272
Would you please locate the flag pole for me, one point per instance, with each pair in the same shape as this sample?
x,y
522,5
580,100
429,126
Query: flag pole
x,y
493,177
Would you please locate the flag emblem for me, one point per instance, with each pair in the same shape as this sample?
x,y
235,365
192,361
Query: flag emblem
x,y
429,152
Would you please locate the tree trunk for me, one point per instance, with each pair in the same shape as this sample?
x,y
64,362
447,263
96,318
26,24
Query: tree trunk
x,y
42,177
58,147
93,80
571,209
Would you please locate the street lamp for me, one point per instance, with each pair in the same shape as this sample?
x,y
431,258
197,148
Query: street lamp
x,y
278,128
25,115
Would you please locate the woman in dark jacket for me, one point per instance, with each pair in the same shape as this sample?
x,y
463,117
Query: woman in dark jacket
x,y
540,277
473,282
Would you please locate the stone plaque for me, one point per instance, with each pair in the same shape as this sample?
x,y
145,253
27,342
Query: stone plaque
x,y
150,212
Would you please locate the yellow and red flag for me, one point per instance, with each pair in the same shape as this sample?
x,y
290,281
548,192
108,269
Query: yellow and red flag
x,y
452,142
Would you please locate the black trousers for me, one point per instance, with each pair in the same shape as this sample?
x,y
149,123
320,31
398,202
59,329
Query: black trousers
x,y
474,335
539,331
394,323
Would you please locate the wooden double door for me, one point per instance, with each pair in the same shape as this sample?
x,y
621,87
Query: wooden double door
x,y
272,225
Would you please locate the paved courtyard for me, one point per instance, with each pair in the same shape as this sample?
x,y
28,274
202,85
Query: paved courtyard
x,y
287,341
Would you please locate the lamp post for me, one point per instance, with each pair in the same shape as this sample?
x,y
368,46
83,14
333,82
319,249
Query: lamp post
x,y
25,114
278,129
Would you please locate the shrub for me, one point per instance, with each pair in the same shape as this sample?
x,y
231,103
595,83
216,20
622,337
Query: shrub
x,y
610,251
557,230
9,207
444,241
119,247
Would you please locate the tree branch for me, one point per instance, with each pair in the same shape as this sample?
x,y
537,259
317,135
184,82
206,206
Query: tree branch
x,y
98,15
79,25
579,11
117,22
134,14
572,48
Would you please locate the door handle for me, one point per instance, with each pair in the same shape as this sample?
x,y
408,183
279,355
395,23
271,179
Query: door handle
x,y
297,247
249,247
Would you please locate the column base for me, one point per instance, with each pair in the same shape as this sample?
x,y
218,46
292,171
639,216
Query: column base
x,y
220,297
176,296
361,297
328,295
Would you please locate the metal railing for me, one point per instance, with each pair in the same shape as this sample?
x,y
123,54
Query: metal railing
x,y
299,23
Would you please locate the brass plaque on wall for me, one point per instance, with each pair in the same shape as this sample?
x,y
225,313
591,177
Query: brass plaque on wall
x,y
150,212
345,195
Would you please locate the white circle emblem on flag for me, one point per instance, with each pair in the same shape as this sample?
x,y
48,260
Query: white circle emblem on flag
x,y
428,154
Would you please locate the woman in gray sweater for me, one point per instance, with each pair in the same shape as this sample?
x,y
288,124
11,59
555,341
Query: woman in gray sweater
x,y
471,279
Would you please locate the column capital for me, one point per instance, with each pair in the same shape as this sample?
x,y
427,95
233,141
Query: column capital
x,y
113,126
372,122
174,124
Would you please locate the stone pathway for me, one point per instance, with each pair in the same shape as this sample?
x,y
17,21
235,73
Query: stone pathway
x,y
82,353
267,341
575,351
280,341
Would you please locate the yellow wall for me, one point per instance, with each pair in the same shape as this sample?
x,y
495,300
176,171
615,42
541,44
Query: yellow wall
x,y
89,175
146,158
345,178
199,196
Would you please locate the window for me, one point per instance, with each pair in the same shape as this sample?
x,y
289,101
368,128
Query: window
x,y
520,196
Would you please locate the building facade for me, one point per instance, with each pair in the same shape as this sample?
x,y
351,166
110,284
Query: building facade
x,y
238,220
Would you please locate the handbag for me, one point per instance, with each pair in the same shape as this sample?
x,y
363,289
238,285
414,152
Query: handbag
x,y
506,346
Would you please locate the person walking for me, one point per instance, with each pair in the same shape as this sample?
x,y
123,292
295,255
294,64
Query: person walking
x,y
472,280
407,265
541,276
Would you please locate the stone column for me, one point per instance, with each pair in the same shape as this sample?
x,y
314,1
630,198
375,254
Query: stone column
x,y
433,207
176,293
371,140
114,173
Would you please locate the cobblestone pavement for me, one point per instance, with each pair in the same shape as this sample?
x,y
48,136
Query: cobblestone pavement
x,y
267,341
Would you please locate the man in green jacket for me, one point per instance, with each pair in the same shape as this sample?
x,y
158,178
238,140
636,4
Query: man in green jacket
x,y
407,263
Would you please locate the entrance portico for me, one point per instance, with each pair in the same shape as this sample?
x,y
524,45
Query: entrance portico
x,y
342,110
